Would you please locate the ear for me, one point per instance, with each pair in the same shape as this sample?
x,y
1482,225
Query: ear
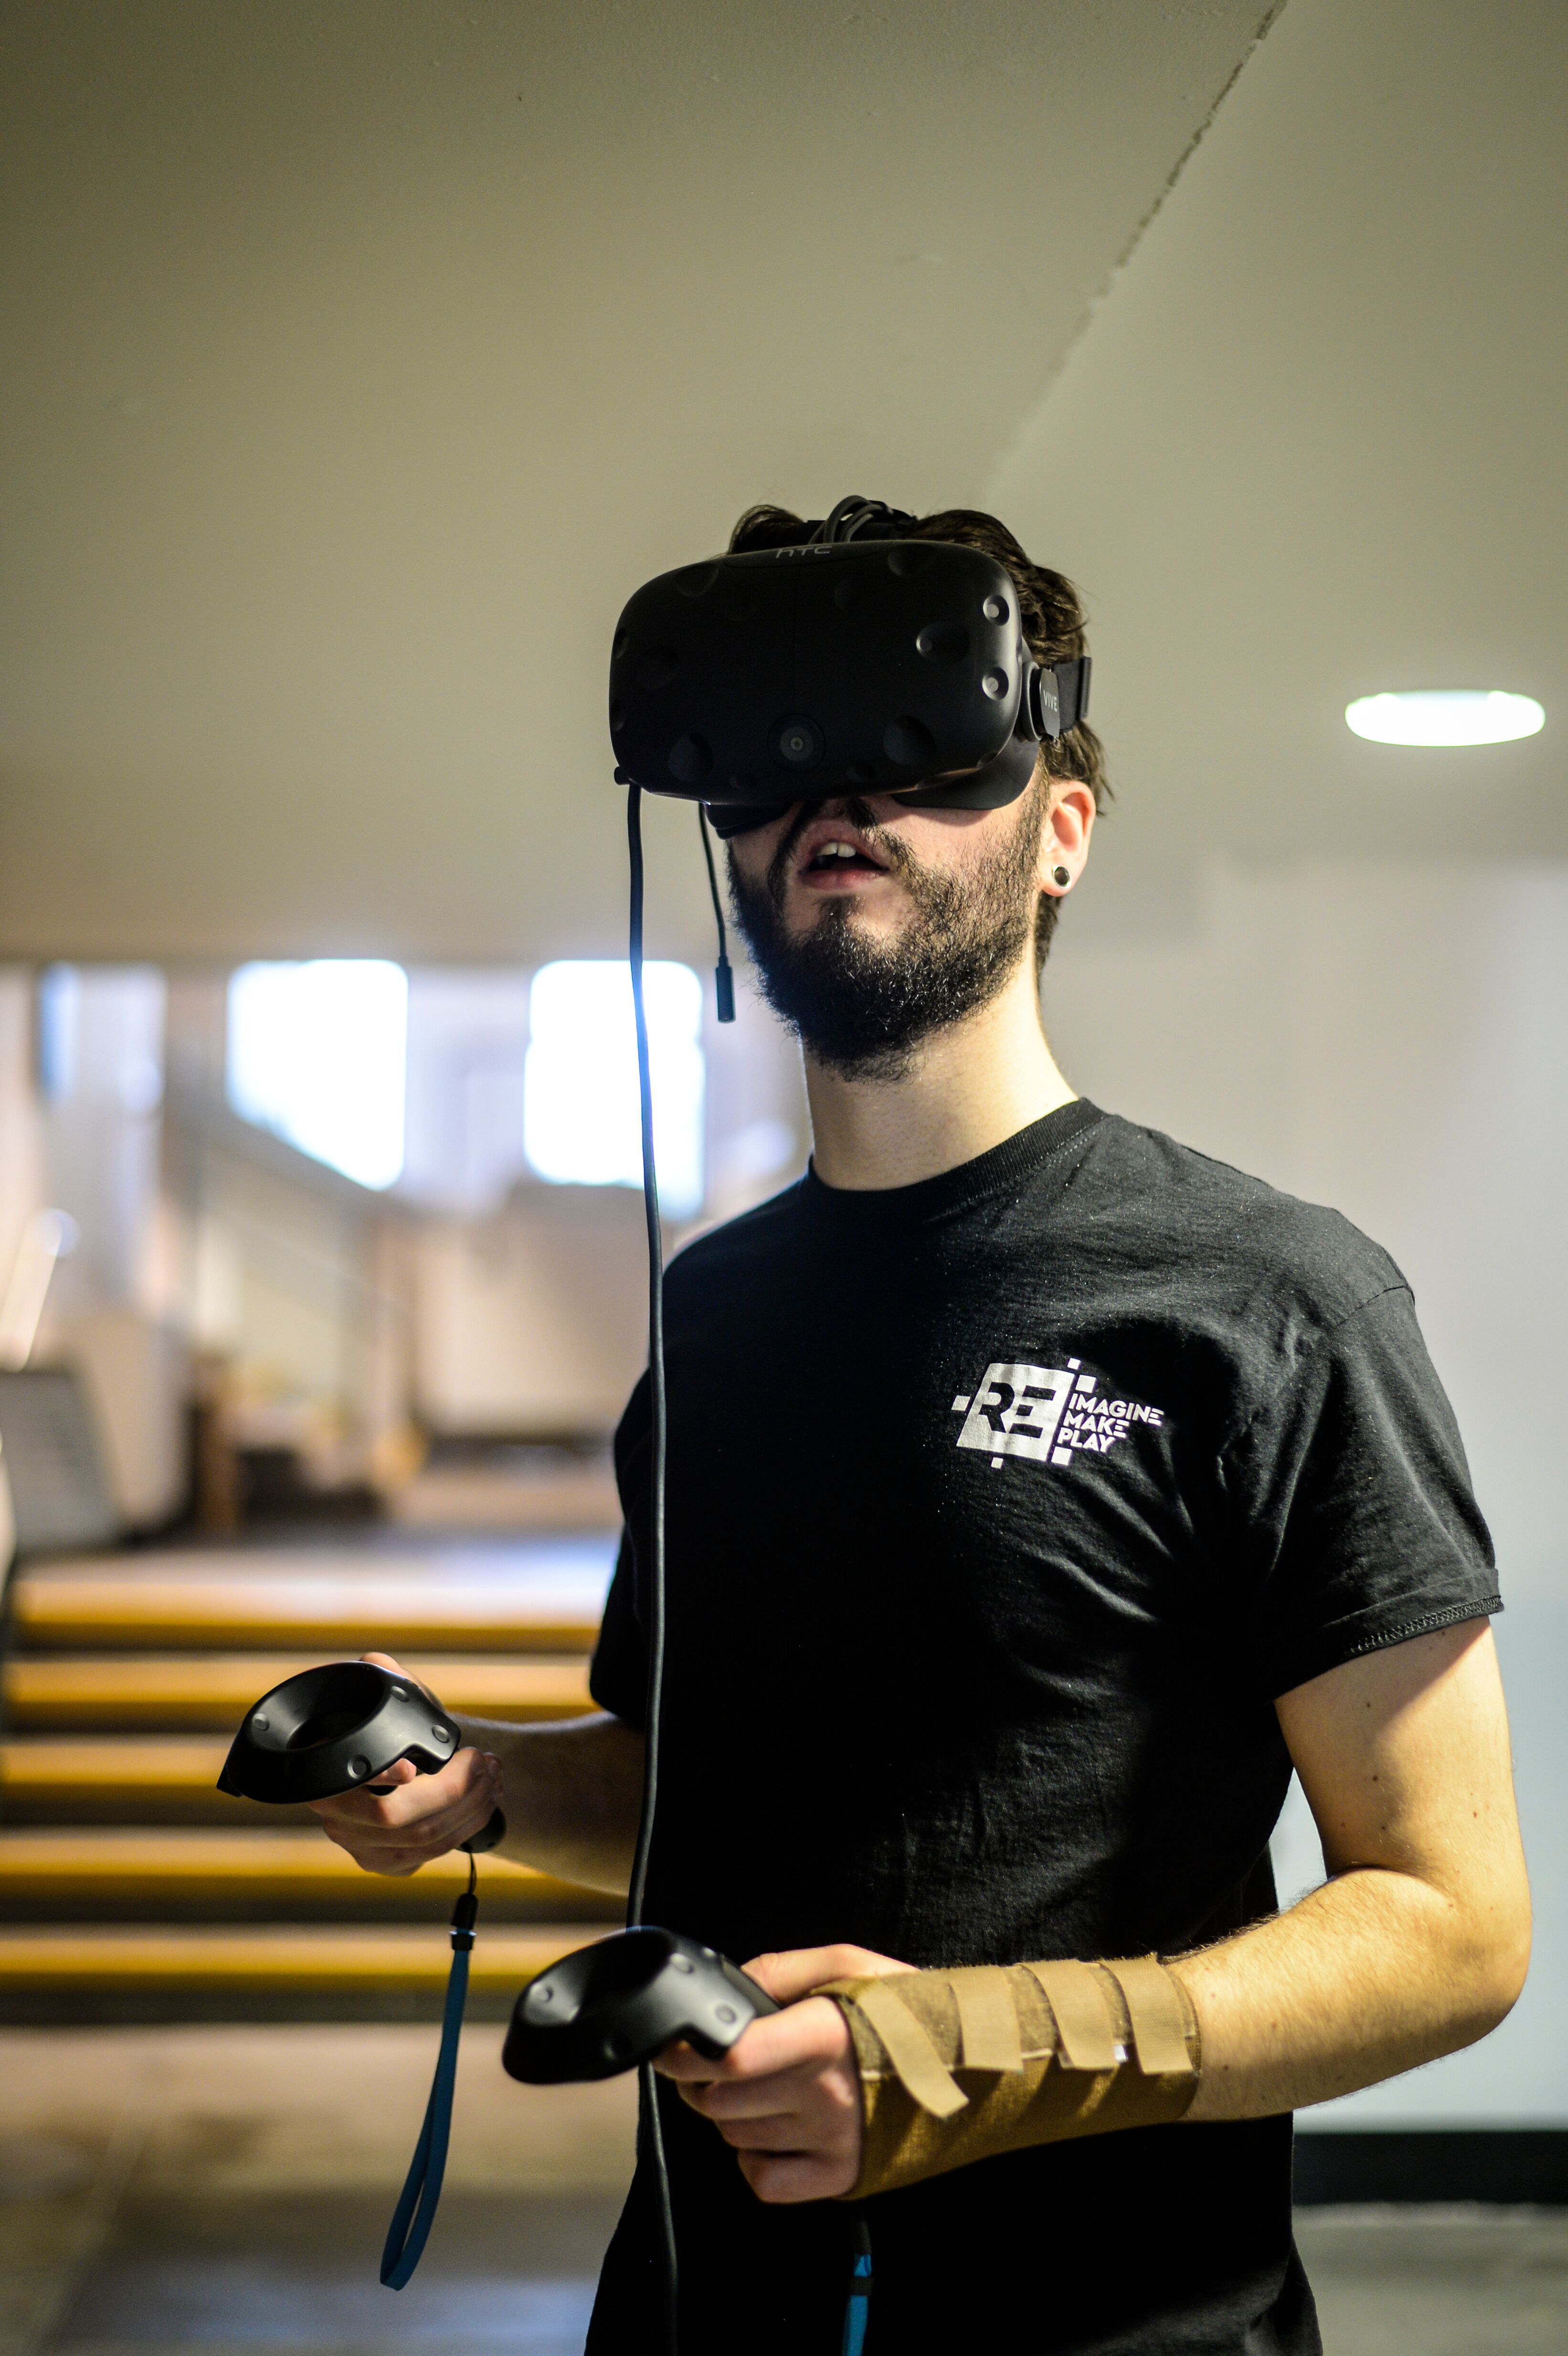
x,y
1064,837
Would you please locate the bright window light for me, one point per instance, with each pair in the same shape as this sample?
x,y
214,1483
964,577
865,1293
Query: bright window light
x,y
318,1053
581,1121
1445,715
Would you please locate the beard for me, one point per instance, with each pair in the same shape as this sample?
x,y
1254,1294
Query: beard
x,y
862,1004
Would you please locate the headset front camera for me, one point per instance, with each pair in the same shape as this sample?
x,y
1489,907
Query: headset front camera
x,y
798,743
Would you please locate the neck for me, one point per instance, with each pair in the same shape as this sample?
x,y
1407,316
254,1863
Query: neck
x,y
970,1086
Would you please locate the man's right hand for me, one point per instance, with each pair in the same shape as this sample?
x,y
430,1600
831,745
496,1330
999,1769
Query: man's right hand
x,y
397,1830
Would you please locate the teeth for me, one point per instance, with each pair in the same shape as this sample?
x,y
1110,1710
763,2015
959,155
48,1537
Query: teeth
x,y
838,850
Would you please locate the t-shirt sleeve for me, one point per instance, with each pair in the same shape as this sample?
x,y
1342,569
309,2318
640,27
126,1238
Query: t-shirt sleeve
x,y
618,1679
1358,1528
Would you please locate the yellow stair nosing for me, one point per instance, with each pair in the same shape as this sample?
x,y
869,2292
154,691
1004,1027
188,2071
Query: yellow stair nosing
x,y
110,1766
213,1691
113,1957
84,1608
36,1863
113,1768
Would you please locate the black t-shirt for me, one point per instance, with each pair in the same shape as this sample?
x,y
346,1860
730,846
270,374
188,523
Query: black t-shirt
x,y
1000,1509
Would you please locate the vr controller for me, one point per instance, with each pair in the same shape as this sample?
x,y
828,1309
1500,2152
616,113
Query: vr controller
x,y
836,667
610,2006
615,2005
336,1730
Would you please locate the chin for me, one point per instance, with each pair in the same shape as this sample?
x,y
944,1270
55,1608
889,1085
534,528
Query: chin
x,y
842,909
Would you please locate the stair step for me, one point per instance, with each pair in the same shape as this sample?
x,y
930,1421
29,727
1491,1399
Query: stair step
x,y
90,1874
121,1780
482,1497
168,1606
108,1958
215,1689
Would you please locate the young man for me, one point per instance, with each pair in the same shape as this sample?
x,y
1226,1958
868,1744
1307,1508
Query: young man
x,y
1039,1494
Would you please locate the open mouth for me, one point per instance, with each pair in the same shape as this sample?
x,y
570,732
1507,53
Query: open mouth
x,y
837,857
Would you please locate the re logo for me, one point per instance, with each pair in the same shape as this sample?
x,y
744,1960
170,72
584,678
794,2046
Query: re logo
x,y
1051,1413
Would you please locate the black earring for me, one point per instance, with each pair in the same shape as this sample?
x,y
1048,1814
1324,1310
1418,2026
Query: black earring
x,y
1060,875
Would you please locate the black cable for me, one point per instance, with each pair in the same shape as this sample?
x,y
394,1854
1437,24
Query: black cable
x,y
832,526
651,2127
654,1595
723,974
854,516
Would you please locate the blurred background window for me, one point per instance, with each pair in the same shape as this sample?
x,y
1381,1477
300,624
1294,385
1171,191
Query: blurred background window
x,y
318,1053
59,1032
581,1117
462,1135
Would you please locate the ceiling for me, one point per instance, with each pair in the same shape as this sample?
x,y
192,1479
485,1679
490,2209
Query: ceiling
x,y
1313,447
363,359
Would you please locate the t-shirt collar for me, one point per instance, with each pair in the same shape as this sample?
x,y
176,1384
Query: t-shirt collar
x,y
1017,1157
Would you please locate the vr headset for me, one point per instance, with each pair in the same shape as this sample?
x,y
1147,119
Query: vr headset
x,y
855,661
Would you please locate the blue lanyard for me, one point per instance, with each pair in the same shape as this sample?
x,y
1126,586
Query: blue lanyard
x,y
421,2195
415,2212
858,2313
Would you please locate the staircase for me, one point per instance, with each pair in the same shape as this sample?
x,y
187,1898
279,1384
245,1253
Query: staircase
x,y
132,1888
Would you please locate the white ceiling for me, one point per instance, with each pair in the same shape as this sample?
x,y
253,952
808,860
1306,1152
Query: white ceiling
x,y
1313,445
363,358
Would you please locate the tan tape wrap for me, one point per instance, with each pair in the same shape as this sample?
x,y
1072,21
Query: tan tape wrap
x,y
957,2066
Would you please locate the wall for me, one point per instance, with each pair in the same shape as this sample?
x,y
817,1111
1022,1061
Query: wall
x,y
1390,1038
81,1088
22,1182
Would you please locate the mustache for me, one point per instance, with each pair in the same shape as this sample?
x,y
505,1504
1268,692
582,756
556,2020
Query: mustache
x,y
888,846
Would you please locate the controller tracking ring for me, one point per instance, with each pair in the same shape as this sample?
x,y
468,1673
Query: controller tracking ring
x,y
335,1728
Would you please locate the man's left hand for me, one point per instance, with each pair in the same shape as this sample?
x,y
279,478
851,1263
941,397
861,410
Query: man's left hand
x,y
787,2096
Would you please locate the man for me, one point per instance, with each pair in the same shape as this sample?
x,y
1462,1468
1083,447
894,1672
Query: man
x,y
1039,1494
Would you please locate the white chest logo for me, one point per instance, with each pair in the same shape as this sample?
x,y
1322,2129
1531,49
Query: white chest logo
x,y
1051,1413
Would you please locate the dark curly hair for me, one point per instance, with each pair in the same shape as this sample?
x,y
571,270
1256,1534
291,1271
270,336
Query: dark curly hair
x,y
1052,614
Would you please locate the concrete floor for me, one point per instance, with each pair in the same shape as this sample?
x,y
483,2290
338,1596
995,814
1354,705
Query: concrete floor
x,y
1438,2281
225,2192
213,2189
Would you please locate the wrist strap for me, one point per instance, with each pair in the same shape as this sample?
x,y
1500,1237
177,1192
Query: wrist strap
x,y
415,2212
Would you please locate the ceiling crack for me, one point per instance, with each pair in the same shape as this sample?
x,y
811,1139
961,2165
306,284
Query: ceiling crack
x,y
1097,300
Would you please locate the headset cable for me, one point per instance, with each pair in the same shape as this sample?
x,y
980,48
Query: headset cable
x,y
650,2126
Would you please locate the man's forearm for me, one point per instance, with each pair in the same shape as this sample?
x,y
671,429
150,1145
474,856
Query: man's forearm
x,y
573,1794
1419,1942
1374,1973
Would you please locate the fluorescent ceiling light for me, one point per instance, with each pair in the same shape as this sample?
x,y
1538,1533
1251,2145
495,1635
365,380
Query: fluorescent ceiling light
x,y
1445,715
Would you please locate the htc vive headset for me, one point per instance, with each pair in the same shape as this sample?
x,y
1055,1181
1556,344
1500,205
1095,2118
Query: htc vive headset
x,y
856,661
